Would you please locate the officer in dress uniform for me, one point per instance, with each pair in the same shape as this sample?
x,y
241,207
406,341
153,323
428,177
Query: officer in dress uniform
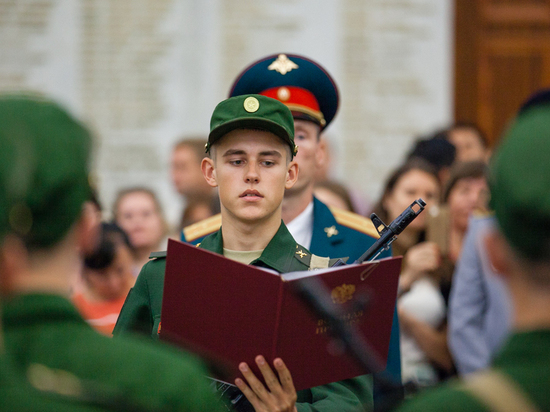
x,y
311,94
45,224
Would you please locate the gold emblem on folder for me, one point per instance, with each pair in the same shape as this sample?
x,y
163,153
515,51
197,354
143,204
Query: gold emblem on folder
x,y
282,64
341,294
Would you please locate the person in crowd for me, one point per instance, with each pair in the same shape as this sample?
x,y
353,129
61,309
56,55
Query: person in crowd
x,y
45,225
419,289
437,151
77,283
185,168
138,212
311,94
197,210
479,305
107,276
333,194
251,146
470,142
518,249
464,194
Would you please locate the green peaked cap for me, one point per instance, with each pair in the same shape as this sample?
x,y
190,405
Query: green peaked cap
x,y
252,111
44,160
520,182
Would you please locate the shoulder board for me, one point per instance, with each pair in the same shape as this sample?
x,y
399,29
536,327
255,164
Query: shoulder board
x,y
482,213
156,255
354,221
202,228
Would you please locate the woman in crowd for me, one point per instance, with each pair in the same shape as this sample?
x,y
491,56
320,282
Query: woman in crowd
x,y
466,193
106,279
427,274
420,294
137,211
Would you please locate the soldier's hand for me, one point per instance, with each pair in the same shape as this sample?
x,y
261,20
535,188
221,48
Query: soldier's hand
x,y
279,396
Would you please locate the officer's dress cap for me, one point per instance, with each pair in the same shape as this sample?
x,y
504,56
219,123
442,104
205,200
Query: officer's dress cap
x,y
303,85
252,112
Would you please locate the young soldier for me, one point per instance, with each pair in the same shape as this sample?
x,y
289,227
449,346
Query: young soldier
x,y
251,146
311,94
519,249
44,227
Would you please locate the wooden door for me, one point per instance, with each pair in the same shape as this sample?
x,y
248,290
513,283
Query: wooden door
x,y
502,55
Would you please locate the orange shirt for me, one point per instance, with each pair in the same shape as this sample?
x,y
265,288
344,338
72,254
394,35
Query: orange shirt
x,y
100,315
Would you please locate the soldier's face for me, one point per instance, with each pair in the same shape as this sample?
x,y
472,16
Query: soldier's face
x,y
251,168
310,154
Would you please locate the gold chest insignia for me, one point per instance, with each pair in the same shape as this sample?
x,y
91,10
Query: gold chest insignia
x,y
282,64
301,253
331,231
341,294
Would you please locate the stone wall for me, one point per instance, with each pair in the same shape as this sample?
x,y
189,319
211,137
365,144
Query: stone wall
x,y
143,73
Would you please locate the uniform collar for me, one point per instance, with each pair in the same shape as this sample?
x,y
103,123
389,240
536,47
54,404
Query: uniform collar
x,y
301,227
38,308
325,226
277,255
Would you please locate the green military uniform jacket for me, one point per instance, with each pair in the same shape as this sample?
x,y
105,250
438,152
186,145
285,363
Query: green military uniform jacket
x,y
525,359
72,358
18,394
142,309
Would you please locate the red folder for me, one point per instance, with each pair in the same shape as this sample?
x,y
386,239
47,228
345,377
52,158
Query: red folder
x,y
233,312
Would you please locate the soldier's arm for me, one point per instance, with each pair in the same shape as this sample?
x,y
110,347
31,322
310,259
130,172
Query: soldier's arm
x,y
141,310
350,395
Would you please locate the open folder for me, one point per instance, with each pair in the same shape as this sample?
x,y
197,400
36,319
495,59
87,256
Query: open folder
x,y
232,312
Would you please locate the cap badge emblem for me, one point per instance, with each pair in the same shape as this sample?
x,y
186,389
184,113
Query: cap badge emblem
x,y
283,94
251,104
282,64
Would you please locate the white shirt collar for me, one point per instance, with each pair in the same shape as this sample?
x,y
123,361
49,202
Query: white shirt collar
x,y
301,227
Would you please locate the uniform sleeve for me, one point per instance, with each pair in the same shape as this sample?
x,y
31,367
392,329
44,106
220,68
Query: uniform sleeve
x,y
440,399
351,395
467,306
137,315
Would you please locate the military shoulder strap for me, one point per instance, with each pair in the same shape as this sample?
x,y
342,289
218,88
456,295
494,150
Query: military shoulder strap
x,y
157,255
498,392
354,221
202,228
